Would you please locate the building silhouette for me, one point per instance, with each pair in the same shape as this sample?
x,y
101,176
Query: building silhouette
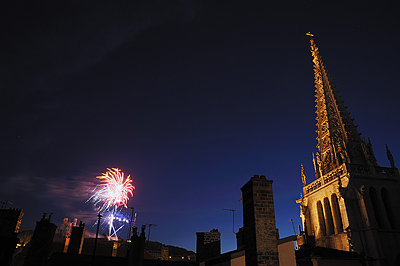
x,y
10,222
208,245
42,240
354,203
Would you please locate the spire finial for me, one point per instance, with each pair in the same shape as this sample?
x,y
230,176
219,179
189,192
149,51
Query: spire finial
x,y
310,37
390,157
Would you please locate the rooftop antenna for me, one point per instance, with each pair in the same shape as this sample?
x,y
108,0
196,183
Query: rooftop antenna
x,y
150,225
97,236
233,218
294,230
4,204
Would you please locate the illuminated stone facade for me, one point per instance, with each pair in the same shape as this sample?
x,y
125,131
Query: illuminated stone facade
x,y
354,203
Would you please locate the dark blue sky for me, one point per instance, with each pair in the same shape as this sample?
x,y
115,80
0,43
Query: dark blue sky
x,y
191,98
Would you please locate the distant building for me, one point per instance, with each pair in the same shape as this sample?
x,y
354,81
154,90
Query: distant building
x,y
354,203
240,239
167,252
208,245
286,251
164,254
66,228
257,240
232,258
135,255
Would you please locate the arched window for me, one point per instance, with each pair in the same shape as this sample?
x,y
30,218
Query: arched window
x,y
328,218
321,219
336,214
375,206
388,208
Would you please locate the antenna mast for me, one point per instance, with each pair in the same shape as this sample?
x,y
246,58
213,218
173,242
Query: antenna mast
x,y
233,218
150,225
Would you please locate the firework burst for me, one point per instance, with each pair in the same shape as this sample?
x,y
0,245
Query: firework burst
x,y
113,191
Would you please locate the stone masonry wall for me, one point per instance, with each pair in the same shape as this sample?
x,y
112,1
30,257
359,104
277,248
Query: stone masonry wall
x,y
260,235
208,245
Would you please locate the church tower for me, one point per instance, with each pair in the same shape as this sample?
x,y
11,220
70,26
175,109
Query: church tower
x,y
354,203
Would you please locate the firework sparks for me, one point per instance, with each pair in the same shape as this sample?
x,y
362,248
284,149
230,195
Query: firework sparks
x,y
115,220
113,191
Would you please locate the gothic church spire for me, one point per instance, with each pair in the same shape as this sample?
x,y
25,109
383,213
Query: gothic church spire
x,y
338,139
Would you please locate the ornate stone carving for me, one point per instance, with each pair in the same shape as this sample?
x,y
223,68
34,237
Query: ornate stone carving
x,y
345,166
303,204
326,158
303,176
361,191
349,240
334,122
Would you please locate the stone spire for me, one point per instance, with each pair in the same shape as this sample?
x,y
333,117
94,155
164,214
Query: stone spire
x,y
338,139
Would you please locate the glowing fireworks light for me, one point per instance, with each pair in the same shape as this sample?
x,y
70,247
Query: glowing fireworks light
x,y
110,197
113,191
115,220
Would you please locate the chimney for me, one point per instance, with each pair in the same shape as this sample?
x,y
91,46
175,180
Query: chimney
x,y
76,240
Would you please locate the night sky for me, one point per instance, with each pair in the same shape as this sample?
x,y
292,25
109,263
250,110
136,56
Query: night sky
x,y
191,98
